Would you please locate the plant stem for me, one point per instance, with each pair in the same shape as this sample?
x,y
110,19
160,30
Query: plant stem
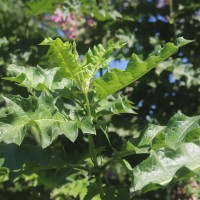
x,y
93,152
116,157
99,183
96,166
172,16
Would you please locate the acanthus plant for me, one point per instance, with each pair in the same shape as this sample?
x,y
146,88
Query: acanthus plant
x,y
67,99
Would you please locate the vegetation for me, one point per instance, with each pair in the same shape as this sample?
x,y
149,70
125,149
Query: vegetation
x,y
68,126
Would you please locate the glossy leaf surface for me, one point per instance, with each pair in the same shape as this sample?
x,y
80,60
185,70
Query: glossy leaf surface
x,y
117,79
174,152
39,113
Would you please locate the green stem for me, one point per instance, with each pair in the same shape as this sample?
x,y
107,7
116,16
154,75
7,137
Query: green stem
x,y
87,104
96,166
116,157
37,169
172,16
93,152
171,8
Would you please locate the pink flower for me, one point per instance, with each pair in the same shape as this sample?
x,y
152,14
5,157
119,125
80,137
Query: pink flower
x,y
90,22
71,35
58,16
72,24
55,18
68,18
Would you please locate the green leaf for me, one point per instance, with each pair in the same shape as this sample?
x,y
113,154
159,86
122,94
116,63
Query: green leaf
x,y
146,137
98,58
87,126
172,153
63,55
40,113
117,105
146,140
38,7
163,165
182,42
117,79
193,135
182,11
178,127
4,174
184,72
77,187
30,157
102,125
100,13
37,78
92,192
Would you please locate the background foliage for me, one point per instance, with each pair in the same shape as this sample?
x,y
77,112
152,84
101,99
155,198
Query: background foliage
x,y
173,86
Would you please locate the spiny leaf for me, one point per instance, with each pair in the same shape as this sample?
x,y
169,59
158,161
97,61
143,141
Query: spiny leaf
x,y
64,55
40,113
37,78
114,106
178,127
172,152
149,134
117,79
163,165
98,58
143,144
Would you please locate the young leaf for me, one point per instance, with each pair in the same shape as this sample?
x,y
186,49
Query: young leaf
x,y
97,58
117,79
63,55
